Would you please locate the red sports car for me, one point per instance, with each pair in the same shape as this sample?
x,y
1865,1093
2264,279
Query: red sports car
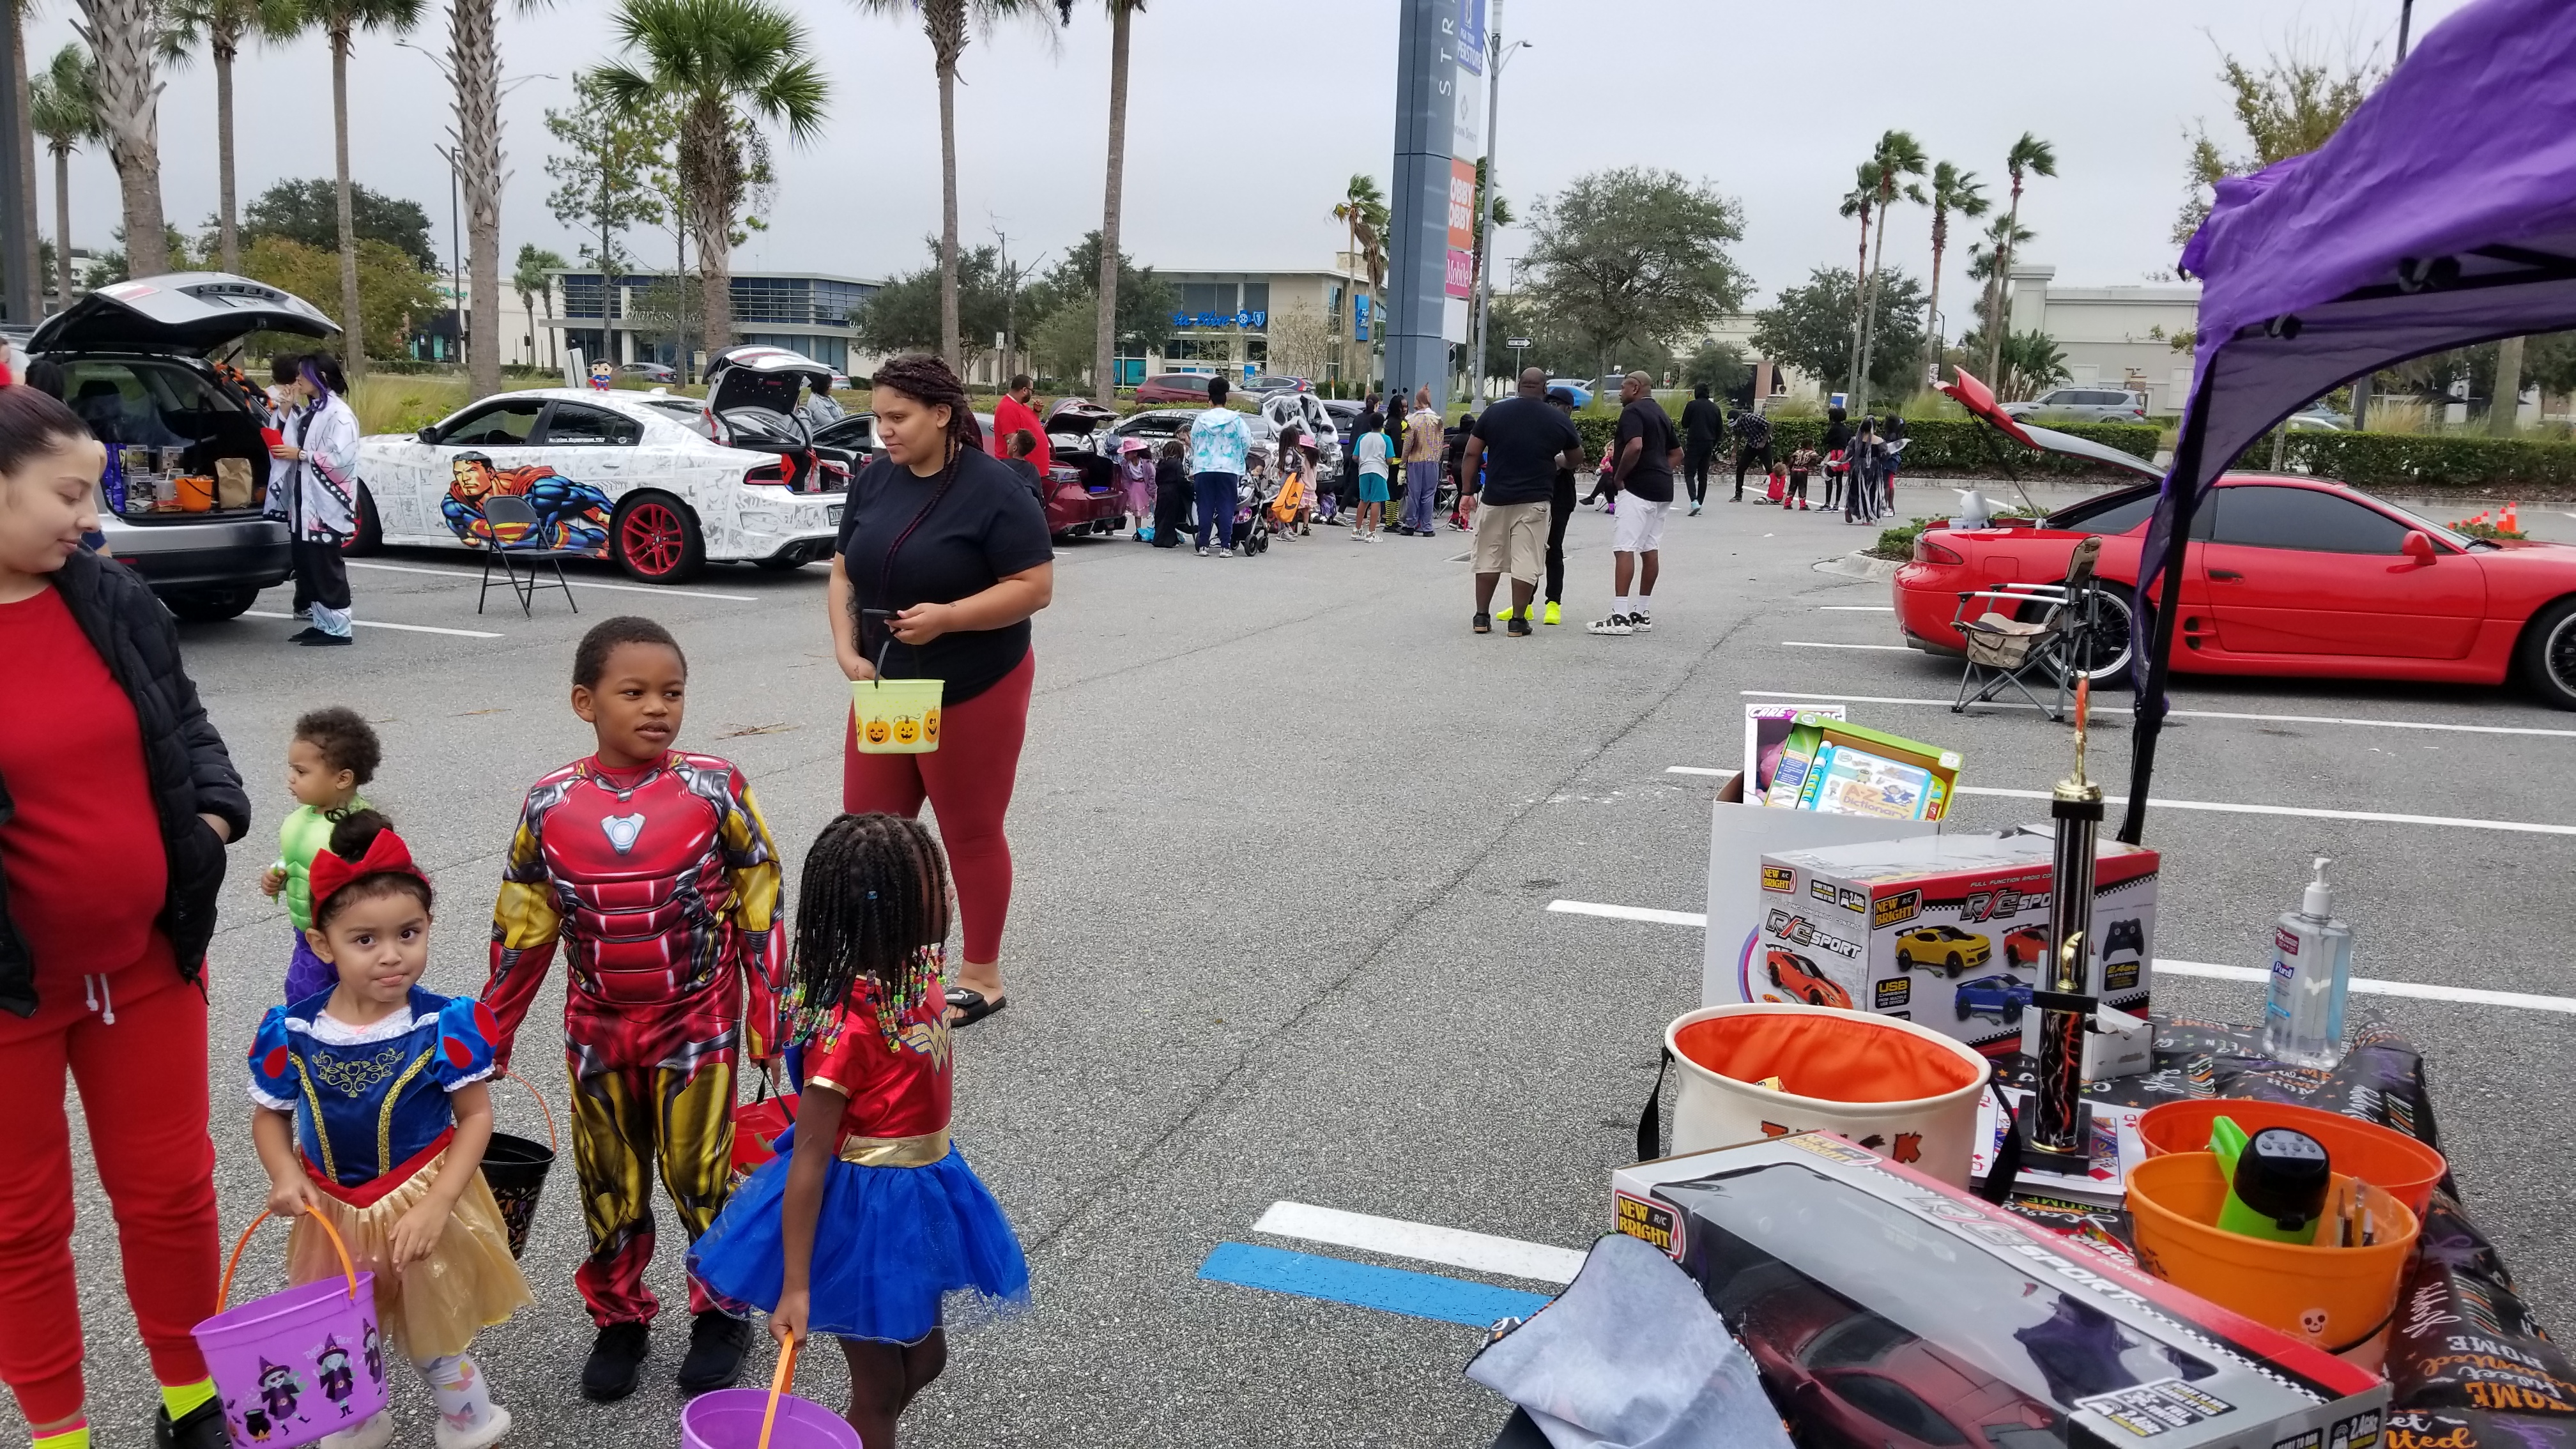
x,y
1798,976
2283,576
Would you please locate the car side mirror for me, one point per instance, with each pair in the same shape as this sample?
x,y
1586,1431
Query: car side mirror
x,y
2419,546
429,434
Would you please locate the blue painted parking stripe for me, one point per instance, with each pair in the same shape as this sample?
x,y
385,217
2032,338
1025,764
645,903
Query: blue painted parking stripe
x,y
1391,1290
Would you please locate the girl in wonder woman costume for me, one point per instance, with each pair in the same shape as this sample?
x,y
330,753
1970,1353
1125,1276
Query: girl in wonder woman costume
x,y
868,1218
371,1111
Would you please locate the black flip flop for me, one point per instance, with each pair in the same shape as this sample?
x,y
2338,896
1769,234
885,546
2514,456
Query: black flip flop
x,y
973,1006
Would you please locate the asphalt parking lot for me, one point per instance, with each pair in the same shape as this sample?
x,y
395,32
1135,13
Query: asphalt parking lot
x,y
1287,836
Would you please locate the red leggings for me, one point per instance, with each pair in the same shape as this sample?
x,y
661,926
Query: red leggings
x,y
968,782
134,1041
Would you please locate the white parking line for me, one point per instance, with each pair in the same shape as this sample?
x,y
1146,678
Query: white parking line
x,y
1820,644
1857,608
578,583
2365,985
1395,1237
2383,724
381,624
2158,802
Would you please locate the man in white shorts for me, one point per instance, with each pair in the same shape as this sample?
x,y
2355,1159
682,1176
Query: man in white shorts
x,y
1646,453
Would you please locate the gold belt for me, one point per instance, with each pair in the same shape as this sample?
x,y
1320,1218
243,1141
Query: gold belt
x,y
920,1151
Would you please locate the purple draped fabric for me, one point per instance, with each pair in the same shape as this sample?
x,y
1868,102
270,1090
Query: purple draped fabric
x,y
2442,214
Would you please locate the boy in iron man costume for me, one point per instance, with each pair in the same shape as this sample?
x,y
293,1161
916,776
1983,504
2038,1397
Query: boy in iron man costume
x,y
655,870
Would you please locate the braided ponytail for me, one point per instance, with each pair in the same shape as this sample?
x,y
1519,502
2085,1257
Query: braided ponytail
x,y
871,908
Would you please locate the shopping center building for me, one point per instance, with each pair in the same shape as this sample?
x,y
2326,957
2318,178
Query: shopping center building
x,y
1302,322
630,322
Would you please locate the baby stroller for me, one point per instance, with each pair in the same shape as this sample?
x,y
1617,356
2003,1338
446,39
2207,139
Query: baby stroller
x,y
1251,514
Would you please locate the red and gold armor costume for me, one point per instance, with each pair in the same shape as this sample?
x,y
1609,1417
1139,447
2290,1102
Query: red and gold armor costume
x,y
663,885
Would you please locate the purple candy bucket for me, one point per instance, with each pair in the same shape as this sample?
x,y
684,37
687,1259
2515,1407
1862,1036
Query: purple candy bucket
x,y
298,1364
730,1419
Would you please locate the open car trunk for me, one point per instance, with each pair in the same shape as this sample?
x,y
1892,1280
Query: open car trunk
x,y
183,435
751,394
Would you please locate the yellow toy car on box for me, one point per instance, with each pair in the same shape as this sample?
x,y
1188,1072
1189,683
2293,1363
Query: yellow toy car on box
x,y
1946,948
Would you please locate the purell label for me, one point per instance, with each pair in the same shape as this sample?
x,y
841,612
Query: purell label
x,y
2285,942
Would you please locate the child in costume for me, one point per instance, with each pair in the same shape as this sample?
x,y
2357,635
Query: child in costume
x,y
371,1112
868,1219
332,754
654,870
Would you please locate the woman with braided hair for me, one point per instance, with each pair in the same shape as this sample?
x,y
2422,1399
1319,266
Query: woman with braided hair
x,y
943,557
868,1220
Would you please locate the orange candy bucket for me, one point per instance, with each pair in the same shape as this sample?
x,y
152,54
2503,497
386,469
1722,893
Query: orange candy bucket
x,y
2380,1156
2337,1299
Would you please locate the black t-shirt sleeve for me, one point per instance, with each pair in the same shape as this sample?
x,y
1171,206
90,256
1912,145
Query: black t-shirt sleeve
x,y
1015,537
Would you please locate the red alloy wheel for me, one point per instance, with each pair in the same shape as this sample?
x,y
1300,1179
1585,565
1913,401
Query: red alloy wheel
x,y
652,539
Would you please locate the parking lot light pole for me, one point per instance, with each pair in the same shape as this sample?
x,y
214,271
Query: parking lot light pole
x,y
1485,224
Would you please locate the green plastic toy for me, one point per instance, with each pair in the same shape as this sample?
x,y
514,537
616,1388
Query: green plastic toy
x,y
2277,1182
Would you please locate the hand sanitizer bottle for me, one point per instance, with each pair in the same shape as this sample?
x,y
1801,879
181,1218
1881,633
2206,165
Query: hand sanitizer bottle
x,y
2311,971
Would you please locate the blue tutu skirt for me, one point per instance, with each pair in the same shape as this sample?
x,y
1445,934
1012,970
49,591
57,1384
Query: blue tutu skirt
x,y
890,1247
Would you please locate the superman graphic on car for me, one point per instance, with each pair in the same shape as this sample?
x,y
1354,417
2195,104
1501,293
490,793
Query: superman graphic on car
x,y
570,514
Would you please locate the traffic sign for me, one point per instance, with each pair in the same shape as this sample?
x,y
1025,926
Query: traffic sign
x,y
1517,342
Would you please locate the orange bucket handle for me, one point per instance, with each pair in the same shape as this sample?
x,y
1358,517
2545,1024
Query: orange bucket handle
x,y
553,1143
224,1294
778,1382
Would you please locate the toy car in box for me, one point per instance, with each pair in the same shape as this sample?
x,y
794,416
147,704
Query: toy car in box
x,y
1888,1311
1950,931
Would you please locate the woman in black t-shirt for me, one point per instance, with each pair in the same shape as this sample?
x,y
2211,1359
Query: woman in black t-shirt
x,y
943,557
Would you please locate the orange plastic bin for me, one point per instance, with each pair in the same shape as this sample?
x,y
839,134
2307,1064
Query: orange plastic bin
x,y
2337,1299
2380,1156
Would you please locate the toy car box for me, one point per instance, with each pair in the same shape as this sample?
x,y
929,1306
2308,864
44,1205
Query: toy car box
x,y
1884,1308
1947,931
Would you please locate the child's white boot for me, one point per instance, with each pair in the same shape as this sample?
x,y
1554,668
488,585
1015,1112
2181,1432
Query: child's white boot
x,y
376,1433
496,1423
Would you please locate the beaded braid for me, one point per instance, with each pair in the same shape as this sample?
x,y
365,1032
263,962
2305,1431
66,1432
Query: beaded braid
x,y
872,906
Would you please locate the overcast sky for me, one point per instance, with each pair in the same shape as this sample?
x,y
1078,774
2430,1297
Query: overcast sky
x,y
1246,117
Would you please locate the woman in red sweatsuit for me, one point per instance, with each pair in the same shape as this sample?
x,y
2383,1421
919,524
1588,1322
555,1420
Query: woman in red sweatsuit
x,y
116,801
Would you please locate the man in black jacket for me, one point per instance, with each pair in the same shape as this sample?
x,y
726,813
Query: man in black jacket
x,y
1701,424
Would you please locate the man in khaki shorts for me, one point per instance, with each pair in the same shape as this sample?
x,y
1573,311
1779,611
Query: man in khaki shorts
x,y
1518,445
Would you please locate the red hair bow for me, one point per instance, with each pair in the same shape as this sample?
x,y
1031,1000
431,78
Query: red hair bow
x,y
385,853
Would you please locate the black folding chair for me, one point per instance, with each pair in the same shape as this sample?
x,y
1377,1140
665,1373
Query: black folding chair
x,y
508,514
2007,644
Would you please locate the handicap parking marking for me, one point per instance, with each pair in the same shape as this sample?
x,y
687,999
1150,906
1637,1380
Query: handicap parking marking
x,y
381,624
1397,1238
2323,719
1365,1285
2210,970
576,582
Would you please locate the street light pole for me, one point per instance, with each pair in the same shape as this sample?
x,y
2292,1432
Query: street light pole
x,y
2405,22
1485,224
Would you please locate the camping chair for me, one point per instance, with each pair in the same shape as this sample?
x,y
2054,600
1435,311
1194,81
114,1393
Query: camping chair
x,y
2006,646
508,513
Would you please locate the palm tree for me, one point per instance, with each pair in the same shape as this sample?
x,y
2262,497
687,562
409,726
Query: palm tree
x,y
1985,266
63,102
340,21
1104,348
949,23
25,10
1363,215
721,66
125,36
533,284
1952,190
225,24
1860,201
1897,156
2028,156
474,71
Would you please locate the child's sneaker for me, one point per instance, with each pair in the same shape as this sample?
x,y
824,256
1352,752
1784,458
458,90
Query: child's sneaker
x,y
493,1429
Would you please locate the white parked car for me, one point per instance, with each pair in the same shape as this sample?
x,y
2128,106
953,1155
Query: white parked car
x,y
661,484
2083,404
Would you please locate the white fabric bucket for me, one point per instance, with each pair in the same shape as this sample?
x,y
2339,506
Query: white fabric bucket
x,y
1828,1060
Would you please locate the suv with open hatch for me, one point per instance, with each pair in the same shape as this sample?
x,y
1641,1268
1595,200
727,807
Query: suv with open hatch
x,y
187,467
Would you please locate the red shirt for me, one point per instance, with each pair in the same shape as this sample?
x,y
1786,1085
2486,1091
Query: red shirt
x,y
894,1091
88,874
1011,415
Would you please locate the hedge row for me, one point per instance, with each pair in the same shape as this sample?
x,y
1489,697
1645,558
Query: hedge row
x,y
2400,461
1935,445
